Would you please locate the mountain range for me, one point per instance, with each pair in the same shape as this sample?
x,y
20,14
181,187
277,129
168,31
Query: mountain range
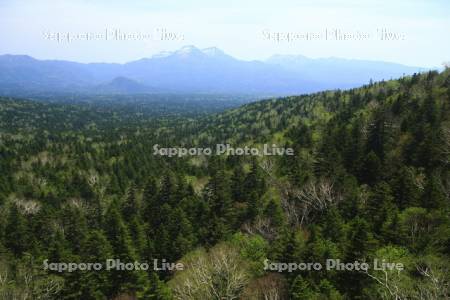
x,y
193,70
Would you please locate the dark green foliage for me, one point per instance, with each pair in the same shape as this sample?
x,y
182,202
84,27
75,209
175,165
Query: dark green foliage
x,y
17,235
80,183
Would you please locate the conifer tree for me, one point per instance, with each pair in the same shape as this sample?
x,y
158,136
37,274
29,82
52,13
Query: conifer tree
x,y
17,236
118,235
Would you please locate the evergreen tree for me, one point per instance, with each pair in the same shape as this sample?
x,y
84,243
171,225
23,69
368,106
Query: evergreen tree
x,y
96,284
17,236
118,235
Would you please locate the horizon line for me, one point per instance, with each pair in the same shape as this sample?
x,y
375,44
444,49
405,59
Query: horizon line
x,y
172,52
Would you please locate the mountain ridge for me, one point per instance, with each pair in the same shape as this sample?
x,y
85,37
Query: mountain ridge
x,y
193,70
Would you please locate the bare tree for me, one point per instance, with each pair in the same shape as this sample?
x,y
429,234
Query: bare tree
x,y
29,282
391,284
436,285
217,274
272,286
313,197
262,226
27,207
299,203
268,166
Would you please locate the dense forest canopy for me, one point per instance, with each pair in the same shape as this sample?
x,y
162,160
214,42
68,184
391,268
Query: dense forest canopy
x,y
370,179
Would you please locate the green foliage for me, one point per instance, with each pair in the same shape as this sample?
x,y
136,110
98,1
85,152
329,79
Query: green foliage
x,y
369,179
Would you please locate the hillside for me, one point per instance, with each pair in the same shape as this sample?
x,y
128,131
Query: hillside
x,y
370,180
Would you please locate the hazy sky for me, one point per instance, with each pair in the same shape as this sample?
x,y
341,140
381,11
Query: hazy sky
x,y
413,32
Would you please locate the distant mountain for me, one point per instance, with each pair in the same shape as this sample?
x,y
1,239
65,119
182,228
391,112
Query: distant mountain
x,y
26,73
193,70
122,85
342,72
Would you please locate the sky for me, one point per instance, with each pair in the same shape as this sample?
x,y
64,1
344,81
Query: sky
x,y
411,32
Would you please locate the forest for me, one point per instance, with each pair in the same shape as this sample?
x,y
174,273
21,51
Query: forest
x,y
369,180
